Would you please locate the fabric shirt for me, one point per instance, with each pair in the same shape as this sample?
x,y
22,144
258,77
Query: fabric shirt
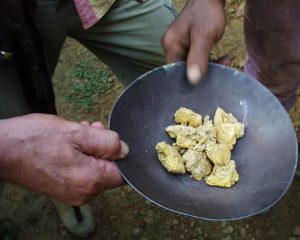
x,y
90,11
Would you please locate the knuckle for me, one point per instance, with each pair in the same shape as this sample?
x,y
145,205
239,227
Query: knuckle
x,y
168,39
75,131
113,143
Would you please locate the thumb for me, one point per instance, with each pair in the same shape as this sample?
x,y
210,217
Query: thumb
x,y
197,62
102,143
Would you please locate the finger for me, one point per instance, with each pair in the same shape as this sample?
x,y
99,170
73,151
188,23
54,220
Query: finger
x,y
109,175
175,49
86,123
98,125
101,143
104,175
175,55
197,62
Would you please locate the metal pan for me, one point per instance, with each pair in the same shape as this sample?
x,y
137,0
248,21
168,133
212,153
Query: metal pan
x,y
265,156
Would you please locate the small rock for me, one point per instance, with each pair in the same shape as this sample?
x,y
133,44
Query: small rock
x,y
231,10
223,223
181,236
111,79
228,229
136,231
243,232
297,231
175,222
199,230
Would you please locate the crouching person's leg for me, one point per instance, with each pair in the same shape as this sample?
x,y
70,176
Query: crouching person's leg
x,y
273,47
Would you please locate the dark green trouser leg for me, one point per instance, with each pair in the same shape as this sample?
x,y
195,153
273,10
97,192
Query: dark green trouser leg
x,y
127,38
12,99
12,103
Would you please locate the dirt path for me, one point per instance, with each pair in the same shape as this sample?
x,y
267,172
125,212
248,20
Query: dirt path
x,y
123,213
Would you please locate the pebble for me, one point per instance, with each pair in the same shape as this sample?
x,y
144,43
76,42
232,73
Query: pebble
x,y
228,229
243,232
199,230
223,223
297,231
136,231
231,10
174,222
110,79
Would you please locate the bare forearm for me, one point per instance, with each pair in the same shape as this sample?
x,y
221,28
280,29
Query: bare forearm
x,y
8,148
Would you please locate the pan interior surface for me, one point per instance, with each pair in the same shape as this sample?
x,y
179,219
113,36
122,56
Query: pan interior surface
x,y
265,156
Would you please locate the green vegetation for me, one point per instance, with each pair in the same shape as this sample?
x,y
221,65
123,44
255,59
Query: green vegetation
x,y
87,85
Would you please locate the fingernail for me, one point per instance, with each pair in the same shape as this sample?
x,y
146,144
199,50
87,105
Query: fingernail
x,y
124,149
194,74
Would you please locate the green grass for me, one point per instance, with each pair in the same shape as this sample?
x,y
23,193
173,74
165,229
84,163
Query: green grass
x,y
87,85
